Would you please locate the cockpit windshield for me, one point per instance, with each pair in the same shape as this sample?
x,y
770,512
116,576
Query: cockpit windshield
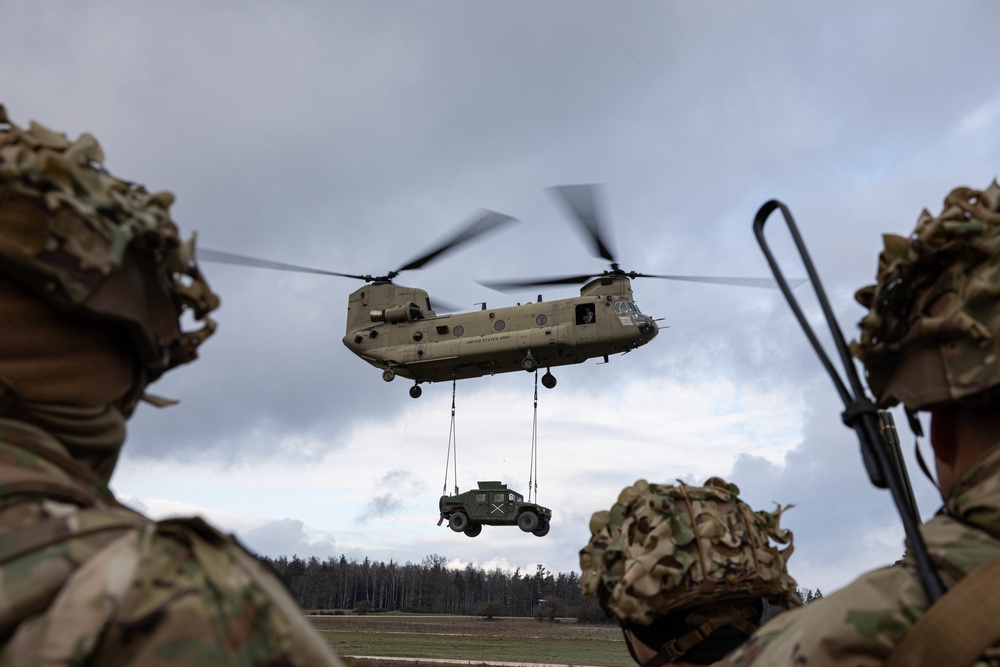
x,y
624,307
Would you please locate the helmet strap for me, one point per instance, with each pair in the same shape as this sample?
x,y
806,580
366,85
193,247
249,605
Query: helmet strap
x,y
918,432
676,648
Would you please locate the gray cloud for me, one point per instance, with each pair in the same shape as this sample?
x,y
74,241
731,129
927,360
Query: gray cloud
x,y
399,487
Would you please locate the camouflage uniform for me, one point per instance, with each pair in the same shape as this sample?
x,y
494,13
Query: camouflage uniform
x,y
928,340
859,625
83,579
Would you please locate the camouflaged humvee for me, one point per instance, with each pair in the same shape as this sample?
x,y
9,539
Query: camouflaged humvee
x,y
493,504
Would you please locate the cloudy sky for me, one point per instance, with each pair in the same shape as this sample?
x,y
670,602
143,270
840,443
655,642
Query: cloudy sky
x,y
351,136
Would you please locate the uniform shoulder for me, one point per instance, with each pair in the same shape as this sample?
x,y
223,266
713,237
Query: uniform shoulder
x,y
853,627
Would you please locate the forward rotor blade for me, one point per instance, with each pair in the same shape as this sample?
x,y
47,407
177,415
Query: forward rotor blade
x,y
741,282
539,282
581,202
221,257
487,221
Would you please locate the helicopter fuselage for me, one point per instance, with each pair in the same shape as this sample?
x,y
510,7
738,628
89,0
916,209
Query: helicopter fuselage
x,y
393,327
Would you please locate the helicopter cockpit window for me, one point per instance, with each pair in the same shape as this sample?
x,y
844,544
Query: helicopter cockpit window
x,y
624,307
585,313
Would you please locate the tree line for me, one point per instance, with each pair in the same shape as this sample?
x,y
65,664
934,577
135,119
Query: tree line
x,y
433,588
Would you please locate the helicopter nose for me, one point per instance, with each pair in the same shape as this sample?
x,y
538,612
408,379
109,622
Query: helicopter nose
x,y
648,328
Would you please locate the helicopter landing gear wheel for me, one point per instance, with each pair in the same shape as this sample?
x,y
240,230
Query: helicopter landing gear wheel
x,y
415,391
529,364
548,380
388,375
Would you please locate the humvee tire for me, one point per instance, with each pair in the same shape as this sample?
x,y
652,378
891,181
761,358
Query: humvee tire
x,y
542,530
527,521
473,529
458,522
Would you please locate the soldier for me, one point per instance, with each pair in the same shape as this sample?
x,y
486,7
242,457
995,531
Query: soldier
x,y
929,341
685,570
93,281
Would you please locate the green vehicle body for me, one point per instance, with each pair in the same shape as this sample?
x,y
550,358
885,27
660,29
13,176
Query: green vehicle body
x,y
493,504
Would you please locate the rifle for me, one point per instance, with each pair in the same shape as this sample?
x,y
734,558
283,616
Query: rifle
x,y
875,428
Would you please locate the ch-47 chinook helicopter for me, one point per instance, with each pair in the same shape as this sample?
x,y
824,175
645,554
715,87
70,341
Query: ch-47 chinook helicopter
x,y
395,328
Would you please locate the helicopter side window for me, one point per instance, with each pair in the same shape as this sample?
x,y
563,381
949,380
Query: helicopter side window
x,y
585,313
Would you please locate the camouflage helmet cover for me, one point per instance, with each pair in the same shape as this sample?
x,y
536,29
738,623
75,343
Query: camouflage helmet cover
x,y
95,245
665,548
930,334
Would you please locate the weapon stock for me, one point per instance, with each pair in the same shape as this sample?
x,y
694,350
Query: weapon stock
x,y
875,429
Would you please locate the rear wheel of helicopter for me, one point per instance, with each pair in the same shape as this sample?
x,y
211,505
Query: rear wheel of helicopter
x,y
415,391
548,380
388,375
529,364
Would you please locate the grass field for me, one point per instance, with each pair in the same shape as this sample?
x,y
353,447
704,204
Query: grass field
x,y
471,640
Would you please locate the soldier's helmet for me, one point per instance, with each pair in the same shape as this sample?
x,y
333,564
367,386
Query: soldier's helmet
x,y
99,247
700,552
930,335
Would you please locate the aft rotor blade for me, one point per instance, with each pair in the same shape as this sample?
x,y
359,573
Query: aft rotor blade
x,y
539,282
768,283
487,221
581,201
221,257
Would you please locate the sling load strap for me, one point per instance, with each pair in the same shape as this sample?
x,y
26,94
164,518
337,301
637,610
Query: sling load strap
x,y
452,444
958,627
533,466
